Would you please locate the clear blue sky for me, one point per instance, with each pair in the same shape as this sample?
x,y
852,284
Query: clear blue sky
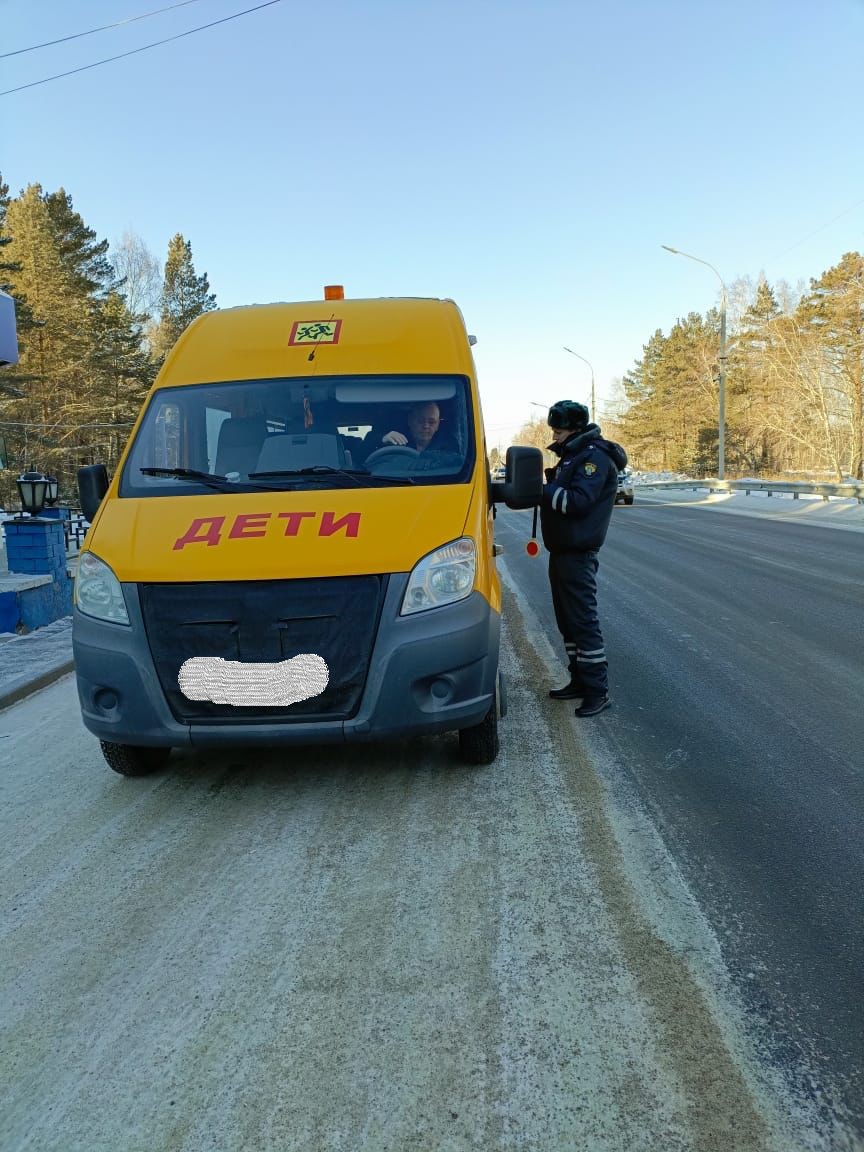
x,y
525,159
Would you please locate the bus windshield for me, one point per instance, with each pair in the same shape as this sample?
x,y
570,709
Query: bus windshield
x,y
302,433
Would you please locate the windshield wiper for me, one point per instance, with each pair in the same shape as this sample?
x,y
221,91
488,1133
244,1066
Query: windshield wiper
x,y
211,479
324,471
215,481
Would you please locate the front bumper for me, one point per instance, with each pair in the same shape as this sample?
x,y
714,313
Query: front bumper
x,y
431,672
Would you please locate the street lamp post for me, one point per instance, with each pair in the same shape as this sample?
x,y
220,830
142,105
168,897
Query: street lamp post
x,y
721,437
32,489
584,361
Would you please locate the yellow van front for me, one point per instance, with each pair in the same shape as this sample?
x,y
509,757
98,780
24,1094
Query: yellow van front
x,y
267,526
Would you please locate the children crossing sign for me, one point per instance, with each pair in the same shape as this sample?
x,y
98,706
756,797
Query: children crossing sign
x,y
315,332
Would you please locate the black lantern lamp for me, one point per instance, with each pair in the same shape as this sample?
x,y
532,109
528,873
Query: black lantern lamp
x,y
52,492
32,488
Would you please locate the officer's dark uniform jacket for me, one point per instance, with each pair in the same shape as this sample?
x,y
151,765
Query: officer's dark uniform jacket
x,y
579,497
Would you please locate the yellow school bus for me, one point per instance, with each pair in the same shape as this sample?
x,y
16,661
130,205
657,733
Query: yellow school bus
x,y
297,545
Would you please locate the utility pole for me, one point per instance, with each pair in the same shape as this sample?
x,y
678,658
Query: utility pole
x,y
721,437
584,361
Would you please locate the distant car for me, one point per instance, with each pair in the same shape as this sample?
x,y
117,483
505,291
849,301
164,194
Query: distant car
x,y
624,495
499,474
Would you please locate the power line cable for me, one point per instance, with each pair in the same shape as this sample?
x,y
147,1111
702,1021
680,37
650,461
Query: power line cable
x,y
144,48
821,228
103,28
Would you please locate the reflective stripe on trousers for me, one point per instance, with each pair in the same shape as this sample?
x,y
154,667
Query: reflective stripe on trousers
x,y
573,581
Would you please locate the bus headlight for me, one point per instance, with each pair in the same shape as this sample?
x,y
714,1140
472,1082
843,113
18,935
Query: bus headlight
x,y
443,577
98,592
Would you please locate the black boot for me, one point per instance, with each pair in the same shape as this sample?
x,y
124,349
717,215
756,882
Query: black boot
x,y
571,691
591,705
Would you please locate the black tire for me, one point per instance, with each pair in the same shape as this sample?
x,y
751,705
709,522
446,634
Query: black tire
x,y
129,760
628,500
479,744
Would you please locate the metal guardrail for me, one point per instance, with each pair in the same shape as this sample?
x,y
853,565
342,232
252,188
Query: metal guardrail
x,y
850,489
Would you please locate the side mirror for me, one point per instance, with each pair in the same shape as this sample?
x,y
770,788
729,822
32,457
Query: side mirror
x,y
524,484
92,486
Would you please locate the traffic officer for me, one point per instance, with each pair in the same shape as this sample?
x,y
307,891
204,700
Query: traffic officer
x,y
574,517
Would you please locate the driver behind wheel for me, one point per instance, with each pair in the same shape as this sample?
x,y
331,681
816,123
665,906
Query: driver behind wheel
x,y
423,431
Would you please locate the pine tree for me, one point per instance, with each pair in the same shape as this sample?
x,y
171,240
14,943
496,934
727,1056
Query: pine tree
x,y
84,257
643,422
117,372
10,267
185,296
82,362
754,385
762,311
122,370
55,354
834,311
671,422
6,264
59,311
691,398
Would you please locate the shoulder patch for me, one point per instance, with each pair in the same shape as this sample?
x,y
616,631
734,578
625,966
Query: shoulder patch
x,y
590,469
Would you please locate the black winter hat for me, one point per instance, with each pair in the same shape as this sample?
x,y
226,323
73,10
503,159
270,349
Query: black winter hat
x,y
569,415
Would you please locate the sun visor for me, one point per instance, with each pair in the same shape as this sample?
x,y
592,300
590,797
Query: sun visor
x,y
382,391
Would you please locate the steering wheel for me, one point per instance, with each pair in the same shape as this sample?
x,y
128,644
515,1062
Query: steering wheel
x,y
397,450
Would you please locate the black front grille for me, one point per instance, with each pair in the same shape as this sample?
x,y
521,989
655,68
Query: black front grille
x,y
264,621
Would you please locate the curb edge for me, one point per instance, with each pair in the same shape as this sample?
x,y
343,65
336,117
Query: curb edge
x,y
21,691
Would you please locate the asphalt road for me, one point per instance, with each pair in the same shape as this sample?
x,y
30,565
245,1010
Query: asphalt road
x,y
376,948
333,950
736,652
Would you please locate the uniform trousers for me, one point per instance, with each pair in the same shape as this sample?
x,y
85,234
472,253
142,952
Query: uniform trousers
x,y
573,580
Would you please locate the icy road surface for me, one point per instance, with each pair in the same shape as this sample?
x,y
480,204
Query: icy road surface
x,y
369,948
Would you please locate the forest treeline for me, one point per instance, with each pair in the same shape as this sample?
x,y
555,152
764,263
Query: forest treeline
x,y
94,326
794,385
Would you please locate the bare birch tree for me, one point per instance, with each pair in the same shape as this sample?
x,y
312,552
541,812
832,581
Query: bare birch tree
x,y
141,273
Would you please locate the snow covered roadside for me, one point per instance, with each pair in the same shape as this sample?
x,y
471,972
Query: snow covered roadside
x,y
835,512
